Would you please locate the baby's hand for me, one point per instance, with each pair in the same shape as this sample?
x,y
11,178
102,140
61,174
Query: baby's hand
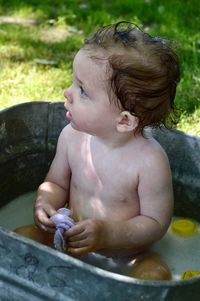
x,y
42,216
86,236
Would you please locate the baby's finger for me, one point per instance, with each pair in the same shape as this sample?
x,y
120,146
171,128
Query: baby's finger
x,y
78,237
78,251
50,211
48,229
75,230
43,219
78,244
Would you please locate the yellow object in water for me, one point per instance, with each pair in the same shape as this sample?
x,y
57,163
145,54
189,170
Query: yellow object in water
x,y
190,274
184,227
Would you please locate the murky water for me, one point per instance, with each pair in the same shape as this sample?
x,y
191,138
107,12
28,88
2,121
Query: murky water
x,y
180,253
18,212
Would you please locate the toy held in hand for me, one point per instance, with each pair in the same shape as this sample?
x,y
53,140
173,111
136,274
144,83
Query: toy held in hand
x,y
63,222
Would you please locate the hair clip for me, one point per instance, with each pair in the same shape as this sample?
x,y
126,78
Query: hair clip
x,y
123,36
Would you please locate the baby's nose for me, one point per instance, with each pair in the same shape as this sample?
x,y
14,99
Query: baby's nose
x,y
68,96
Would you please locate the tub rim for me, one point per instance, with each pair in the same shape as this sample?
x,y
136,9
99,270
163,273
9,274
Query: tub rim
x,y
99,271
78,263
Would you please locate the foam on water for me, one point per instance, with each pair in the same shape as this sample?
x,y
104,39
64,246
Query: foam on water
x,y
180,253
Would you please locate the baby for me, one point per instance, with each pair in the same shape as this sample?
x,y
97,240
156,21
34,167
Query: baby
x,y
108,170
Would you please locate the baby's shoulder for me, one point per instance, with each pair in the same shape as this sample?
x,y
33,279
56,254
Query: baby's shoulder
x,y
69,133
71,137
152,153
151,145
148,149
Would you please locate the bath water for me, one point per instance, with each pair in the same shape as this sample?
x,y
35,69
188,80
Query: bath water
x,y
18,212
180,253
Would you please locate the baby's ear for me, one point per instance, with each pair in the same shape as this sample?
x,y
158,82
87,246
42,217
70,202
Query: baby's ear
x,y
127,122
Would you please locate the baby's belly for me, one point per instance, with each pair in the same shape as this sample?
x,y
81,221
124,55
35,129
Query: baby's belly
x,y
86,207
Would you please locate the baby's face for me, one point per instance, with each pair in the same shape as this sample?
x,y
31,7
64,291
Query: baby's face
x,y
88,102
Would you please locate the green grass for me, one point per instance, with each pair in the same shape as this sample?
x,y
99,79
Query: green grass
x,y
55,29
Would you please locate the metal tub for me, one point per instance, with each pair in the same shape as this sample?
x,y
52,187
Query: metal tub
x,y
31,271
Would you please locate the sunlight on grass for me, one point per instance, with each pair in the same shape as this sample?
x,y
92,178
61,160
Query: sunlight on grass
x,y
33,83
190,123
33,31
13,52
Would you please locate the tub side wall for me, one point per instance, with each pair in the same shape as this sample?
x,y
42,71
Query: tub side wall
x,y
34,270
28,138
184,156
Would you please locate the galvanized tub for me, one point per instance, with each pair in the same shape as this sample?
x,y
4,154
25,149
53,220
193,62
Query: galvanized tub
x,y
31,271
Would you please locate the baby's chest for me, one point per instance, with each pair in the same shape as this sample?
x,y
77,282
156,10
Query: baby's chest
x,y
104,179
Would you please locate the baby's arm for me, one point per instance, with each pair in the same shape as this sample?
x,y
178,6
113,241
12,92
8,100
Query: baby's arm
x,y
156,206
53,192
155,193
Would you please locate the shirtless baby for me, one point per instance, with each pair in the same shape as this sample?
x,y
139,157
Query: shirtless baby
x,y
108,170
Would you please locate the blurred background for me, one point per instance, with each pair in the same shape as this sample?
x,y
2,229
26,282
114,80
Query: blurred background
x,y
38,40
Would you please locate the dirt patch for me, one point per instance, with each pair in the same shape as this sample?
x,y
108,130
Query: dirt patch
x,y
55,34
18,20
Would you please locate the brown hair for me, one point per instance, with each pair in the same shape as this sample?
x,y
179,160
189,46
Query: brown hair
x,y
145,71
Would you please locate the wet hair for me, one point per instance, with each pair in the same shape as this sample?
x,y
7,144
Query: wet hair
x,y
145,71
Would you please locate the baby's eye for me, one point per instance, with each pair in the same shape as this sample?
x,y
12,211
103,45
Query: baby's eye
x,y
82,92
